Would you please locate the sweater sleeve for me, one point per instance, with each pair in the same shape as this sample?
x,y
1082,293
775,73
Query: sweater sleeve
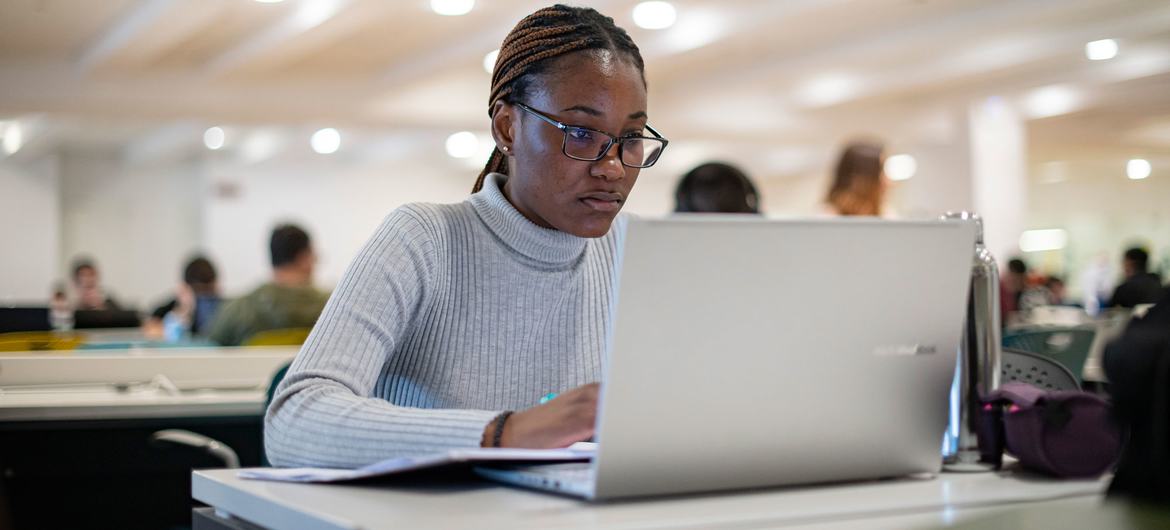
x,y
324,413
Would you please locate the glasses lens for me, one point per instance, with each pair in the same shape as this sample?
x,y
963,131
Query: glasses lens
x,y
641,152
585,144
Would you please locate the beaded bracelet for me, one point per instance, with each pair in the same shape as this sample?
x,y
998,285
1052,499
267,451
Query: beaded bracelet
x,y
499,431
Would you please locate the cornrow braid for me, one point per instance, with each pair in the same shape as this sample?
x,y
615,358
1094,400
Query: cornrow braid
x,y
535,42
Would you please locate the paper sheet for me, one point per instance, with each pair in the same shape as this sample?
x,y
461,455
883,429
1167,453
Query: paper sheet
x,y
576,453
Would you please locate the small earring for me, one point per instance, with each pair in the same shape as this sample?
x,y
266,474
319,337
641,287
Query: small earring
x,y
504,149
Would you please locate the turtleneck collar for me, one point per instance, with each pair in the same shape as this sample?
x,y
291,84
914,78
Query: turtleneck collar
x,y
546,245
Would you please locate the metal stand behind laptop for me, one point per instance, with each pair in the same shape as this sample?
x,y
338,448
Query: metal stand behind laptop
x,y
977,371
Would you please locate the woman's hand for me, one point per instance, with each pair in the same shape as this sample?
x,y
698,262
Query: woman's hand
x,y
568,418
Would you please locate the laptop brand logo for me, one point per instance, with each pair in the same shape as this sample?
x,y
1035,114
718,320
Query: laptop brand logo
x,y
899,350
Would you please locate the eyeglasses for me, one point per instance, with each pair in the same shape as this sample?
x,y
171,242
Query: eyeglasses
x,y
591,145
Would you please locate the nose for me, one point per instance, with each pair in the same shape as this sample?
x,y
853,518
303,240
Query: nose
x,y
610,166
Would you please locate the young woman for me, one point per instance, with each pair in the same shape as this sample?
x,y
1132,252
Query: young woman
x,y
860,183
454,320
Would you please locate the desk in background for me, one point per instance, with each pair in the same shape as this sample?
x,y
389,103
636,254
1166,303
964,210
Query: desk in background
x,y
422,503
75,430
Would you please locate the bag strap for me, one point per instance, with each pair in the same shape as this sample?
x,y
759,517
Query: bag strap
x,y
1021,394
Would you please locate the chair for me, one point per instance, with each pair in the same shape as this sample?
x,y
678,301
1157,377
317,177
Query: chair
x,y
212,446
276,379
278,337
1068,346
38,341
1036,369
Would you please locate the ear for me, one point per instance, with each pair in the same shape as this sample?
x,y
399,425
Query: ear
x,y
504,126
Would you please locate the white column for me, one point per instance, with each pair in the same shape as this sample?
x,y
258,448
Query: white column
x,y
999,173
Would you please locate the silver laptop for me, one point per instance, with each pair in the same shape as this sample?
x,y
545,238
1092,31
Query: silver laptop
x,y
749,352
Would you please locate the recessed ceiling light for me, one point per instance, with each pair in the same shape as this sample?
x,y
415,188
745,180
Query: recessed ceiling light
x,y
1041,240
901,167
1101,50
654,15
828,89
1137,169
452,8
260,145
13,137
270,1
489,60
213,138
462,144
1052,100
326,141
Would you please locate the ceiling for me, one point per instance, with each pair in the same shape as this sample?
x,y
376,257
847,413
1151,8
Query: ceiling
x,y
774,84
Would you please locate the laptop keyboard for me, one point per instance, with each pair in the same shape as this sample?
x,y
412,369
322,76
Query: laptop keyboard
x,y
576,472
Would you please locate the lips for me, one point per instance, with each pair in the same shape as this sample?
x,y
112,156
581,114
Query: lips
x,y
602,201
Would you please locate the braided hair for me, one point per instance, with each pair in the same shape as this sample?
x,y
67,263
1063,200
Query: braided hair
x,y
535,42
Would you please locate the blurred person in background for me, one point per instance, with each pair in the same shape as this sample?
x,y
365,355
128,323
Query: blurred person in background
x,y
1012,285
1057,293
195,303
289,300
88,289
860,183
1096,284
716,187
1140,285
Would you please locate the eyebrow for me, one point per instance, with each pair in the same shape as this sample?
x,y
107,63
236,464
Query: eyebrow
x,y
594,112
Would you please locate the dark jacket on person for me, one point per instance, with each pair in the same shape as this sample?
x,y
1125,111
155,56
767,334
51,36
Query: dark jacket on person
x,y
1138,367
1141,288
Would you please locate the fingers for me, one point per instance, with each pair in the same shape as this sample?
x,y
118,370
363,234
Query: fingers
x,y
569,418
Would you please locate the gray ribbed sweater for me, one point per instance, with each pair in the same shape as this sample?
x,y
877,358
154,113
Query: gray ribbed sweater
x,y
449,315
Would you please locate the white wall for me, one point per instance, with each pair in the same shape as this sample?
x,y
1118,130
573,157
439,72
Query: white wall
x,y
138,222
338,202
30,216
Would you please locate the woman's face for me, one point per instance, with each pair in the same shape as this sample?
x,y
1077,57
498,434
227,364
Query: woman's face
x,y
597,89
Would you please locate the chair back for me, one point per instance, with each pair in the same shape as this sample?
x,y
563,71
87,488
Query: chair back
x,y
38,341
1039,370
1069,346
278,337
276,379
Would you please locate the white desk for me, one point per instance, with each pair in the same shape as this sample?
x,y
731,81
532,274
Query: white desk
x,y
200,382
108,403
476,504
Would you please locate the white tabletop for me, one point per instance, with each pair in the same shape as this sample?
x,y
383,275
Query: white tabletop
x,y
138,383
456,504
107,402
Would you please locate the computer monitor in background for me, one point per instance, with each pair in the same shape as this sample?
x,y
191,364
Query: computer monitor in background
x,y
105,318
14,319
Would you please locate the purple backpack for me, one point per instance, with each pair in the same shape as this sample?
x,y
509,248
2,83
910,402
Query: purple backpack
x,y
1066,433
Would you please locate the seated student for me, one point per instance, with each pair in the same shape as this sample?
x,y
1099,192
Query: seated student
x,y
716,187
860,183
288,301
88,288
196,301
453,316
1140,286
